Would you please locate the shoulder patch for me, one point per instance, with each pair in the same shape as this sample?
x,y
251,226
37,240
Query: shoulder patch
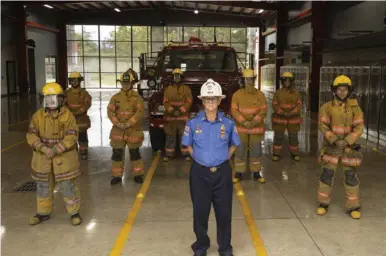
x,y
192,116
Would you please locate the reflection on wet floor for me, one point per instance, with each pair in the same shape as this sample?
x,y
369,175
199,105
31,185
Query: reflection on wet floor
x,y
283,208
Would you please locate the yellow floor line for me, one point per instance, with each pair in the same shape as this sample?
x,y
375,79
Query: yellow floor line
x,y
126,228
13,145
250,221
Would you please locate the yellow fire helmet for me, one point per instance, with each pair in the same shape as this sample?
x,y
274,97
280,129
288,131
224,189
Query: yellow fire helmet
x,y
248,73
52,89
287,75
342,80
177,71
129,76
75,74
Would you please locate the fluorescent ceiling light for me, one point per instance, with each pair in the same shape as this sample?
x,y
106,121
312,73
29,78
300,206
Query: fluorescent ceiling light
x,y
261,10
48,6
196,11
117,10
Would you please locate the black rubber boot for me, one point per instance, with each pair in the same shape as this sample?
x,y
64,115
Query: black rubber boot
x,y
116,180
37,219
322,209
257,176
239,175
138,179
76,219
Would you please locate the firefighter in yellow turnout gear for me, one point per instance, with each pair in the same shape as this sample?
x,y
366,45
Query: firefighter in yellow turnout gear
x,y
78,100
341,123
286,105
126,111
249,108
53,135
177,101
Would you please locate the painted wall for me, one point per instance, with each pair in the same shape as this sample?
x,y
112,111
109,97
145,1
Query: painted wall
x,y
8,53
46,43
300,34
368,15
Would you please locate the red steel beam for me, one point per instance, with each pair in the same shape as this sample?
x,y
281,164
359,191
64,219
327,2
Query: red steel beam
x,y
39,26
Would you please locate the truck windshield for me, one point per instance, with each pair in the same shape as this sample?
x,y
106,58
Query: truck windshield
x,y
200,60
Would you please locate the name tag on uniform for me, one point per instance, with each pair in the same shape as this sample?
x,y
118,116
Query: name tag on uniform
x,y
198,129
222,131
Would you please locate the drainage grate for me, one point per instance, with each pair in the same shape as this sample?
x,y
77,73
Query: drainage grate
x,y
29,186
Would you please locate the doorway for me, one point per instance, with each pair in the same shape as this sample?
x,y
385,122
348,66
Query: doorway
x,y
11,77
31,70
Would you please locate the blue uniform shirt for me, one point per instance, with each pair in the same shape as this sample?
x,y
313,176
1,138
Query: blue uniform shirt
x,y
210,140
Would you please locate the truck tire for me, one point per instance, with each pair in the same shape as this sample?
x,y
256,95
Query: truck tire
x,y
157,138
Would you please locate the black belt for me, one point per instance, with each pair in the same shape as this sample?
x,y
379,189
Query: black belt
x,y
213,168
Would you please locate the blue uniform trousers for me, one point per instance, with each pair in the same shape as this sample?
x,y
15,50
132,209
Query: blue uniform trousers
x,y
207,187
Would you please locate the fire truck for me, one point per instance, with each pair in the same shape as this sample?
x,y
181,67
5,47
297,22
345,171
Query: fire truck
x,y
199,61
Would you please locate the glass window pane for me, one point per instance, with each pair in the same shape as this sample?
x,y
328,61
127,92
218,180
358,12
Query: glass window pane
x,y
47,60
91,64
123,64
239,47
52,60
123,49
223,34
238,35
75,64
74,48
107,48
108,65
91,80
140,33
190,31
91,48
136,65
174,34
90,32
109,80
207,34
107,33
157,34
138,48
156,47
123,33
74,32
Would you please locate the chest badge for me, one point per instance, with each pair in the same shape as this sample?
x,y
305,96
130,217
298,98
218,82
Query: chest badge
x,y
198,129
222,131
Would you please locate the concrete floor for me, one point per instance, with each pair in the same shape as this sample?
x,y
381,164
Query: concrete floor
x,y
283,208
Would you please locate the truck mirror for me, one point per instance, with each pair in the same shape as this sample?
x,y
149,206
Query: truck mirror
x,y
183,67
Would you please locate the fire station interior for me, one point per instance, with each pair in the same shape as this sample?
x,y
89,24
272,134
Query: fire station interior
x,y
43,42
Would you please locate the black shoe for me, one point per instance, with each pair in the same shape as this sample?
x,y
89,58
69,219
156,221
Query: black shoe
x,y
116,180
239,175
200,254
138,179
226,254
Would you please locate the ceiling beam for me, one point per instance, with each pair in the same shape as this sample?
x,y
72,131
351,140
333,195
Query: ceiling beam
x,y
157,17
245,4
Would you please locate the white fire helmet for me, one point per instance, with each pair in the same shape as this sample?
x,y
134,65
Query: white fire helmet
x,y
211,89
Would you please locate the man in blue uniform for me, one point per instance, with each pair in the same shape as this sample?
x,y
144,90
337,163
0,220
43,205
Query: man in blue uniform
x,y
211,138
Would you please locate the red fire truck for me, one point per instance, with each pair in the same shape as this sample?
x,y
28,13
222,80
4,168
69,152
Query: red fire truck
x,y
199,61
